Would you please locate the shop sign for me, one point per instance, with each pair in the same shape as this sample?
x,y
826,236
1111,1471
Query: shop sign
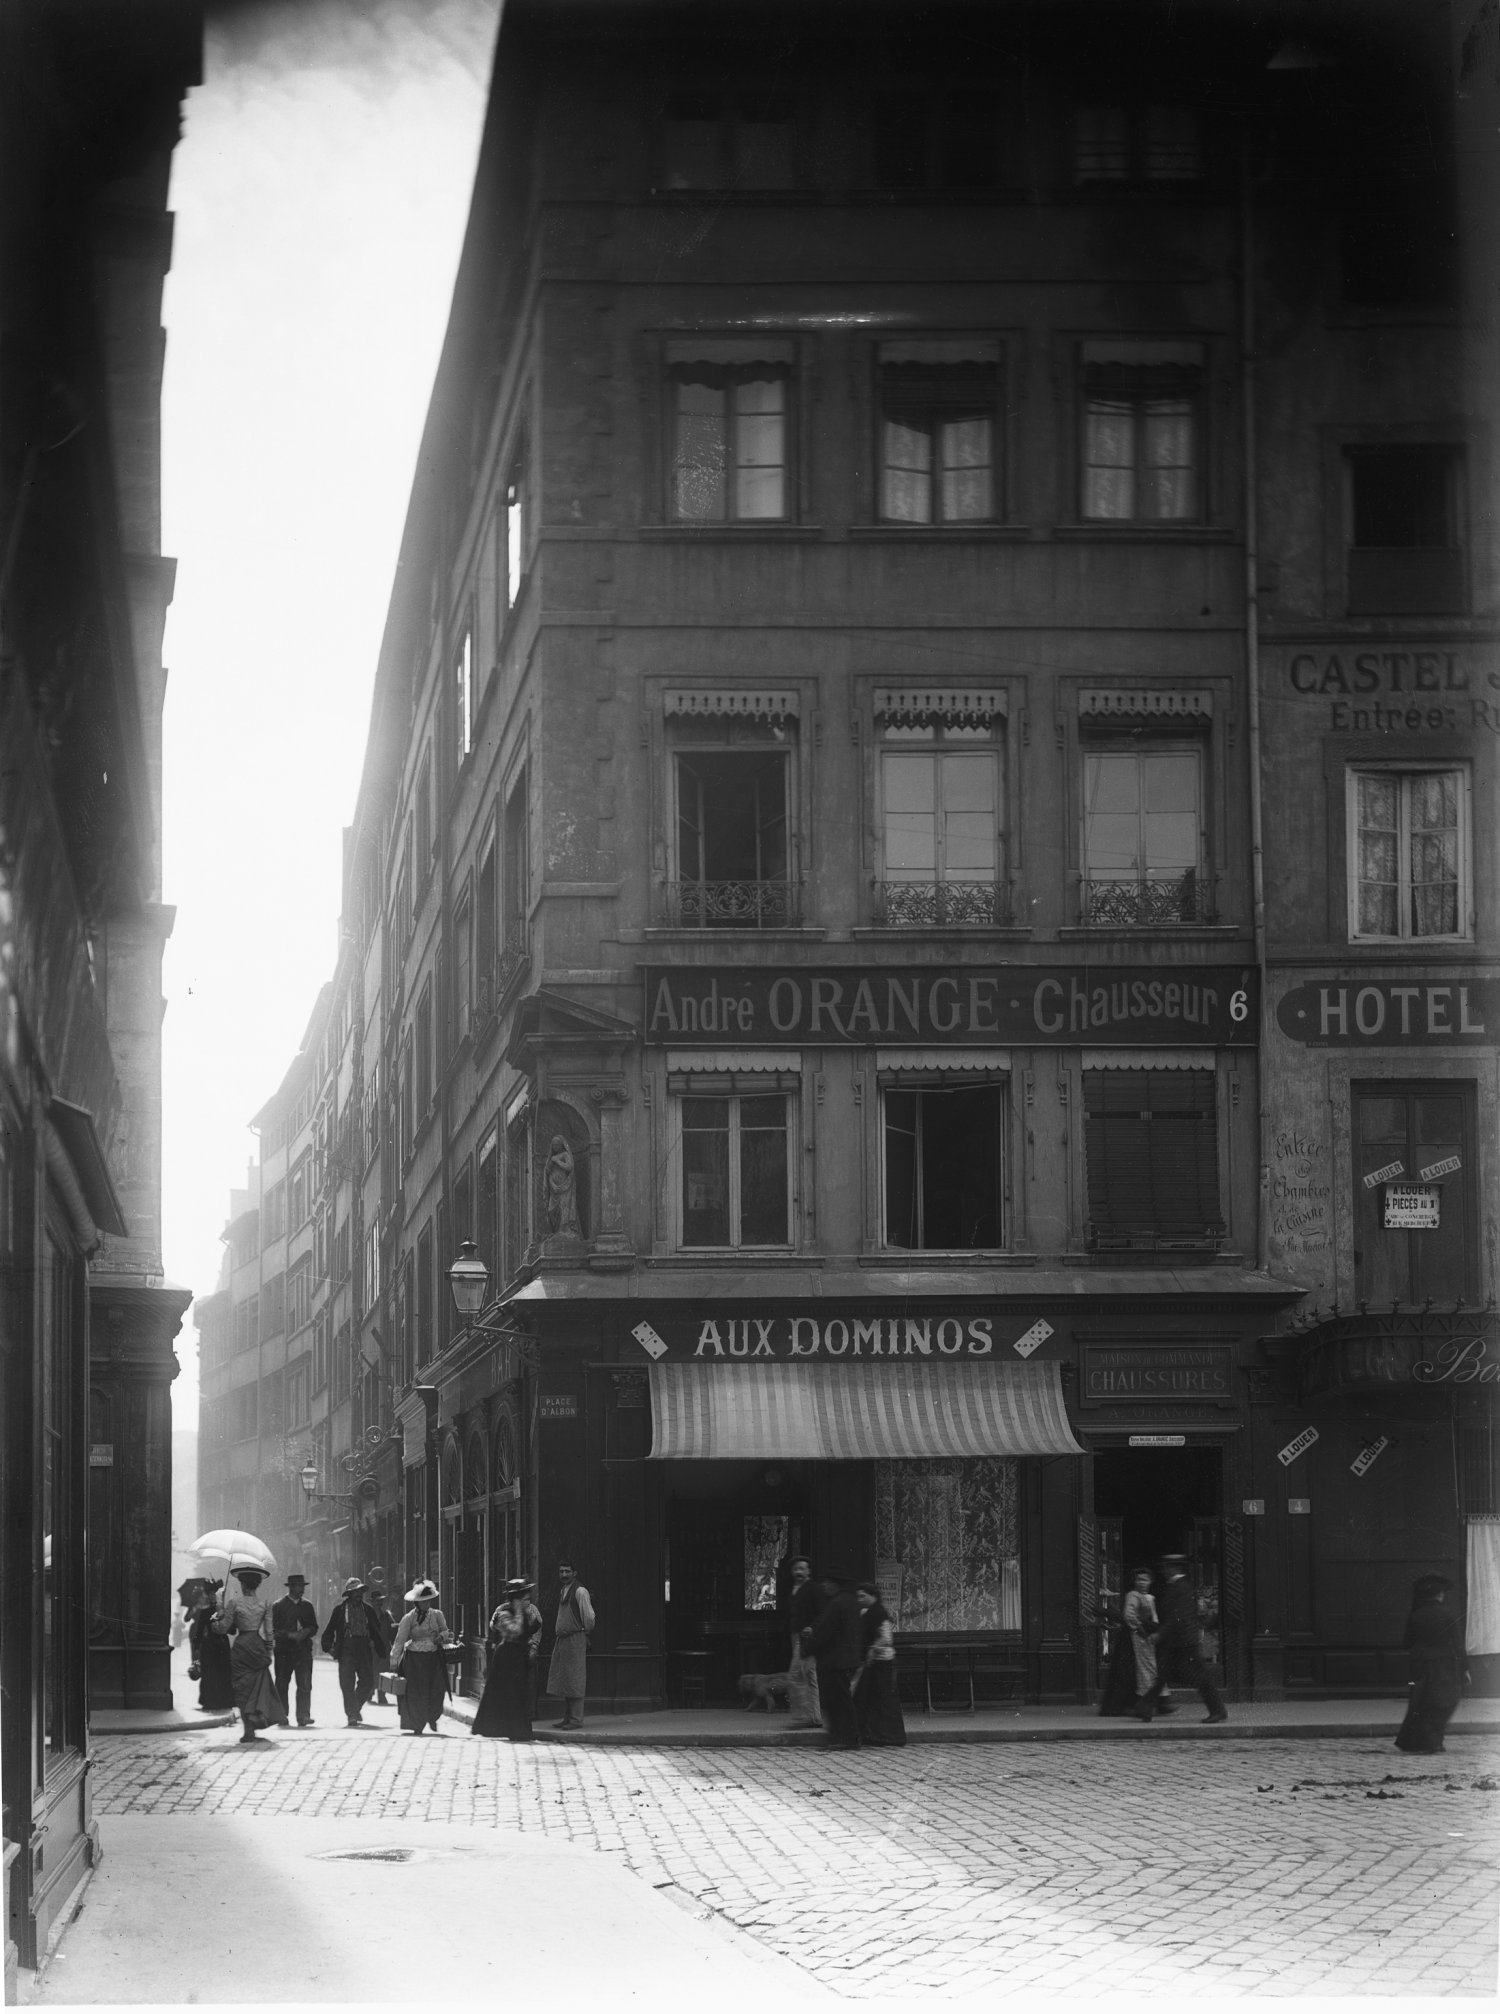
x,y
1185,1373
969,1005
101,1455
1386,1174
1033,1339
1451,1166
1365,691
559,1405
1411,1206
1297,1447
1367,1457
1383,1015
1416,1357
862,1335
1158,1440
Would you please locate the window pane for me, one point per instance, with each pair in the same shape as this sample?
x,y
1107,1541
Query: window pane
x,y
763,1171
910,816
901,1169
969,823
1111,826
952,1527
967,453
1109,459
1101,153
960,1168
701,452
907,471
760,448
705,1171
1168,485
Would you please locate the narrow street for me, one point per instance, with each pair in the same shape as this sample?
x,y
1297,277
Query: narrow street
x,y
1308,1866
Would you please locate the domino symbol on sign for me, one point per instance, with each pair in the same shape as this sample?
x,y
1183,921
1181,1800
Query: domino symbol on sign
x,y
1033,1339
649,1340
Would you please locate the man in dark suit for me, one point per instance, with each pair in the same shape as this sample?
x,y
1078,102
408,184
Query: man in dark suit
x,y
294,1624
836,1640
804,1602
356,1635
1179,1643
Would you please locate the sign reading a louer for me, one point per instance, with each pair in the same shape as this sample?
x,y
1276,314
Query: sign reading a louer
x,y
1139,1005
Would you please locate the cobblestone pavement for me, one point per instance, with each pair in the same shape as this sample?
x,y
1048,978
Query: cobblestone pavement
x,y
1283,1867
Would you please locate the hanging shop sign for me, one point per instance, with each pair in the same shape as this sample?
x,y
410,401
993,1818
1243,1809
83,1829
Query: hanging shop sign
x,y
1383,1015
1412,1206
1158,1440
1033,1339
854,1006
862,1334
1299,1446
1367,1457
1402,1351
1184,1373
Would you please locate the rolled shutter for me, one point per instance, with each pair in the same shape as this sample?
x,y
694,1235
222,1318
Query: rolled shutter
x,y
1151,1144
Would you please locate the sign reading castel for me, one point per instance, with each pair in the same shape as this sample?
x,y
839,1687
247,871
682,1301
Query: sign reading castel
x,y
1215,1005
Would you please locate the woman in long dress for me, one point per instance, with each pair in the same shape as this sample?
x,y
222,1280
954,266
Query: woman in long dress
x,y
1132,1660
505,1705
877,1704
247,1616
417,1655
1436,1646
209,1651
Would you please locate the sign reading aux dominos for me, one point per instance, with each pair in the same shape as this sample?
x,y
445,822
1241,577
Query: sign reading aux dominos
x,y
857,1335
971,1004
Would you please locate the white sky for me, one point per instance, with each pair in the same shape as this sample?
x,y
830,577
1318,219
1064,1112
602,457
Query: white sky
x,y
321,188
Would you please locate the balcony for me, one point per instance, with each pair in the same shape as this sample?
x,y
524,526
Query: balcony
x,y
734,905
941,905
1147,905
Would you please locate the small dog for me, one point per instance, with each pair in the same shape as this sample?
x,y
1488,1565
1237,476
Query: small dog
x,y
760,1688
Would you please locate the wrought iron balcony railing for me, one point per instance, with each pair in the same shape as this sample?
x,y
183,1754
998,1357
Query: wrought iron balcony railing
x,y
917,905
1148,905
734,905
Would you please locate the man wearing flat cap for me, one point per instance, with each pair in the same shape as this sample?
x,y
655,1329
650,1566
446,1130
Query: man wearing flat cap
x,y
294,1624
356,1635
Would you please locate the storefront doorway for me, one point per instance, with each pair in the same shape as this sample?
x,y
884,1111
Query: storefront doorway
x,y
1151,1501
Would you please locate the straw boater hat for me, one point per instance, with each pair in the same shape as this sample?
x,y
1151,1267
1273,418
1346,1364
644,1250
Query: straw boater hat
x,y
519,1586
421,1590
354,1585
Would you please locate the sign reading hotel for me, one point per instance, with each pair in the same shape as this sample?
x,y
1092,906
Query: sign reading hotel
x,y
862,1335
833,1006
1384,1015
1177,1373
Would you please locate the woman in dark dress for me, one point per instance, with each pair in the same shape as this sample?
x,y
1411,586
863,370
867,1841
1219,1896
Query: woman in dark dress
x,y
210,1653
877,1704
1436,1645
515,1627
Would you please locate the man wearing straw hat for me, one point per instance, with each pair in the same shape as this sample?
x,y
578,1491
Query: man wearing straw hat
x,y
356,1635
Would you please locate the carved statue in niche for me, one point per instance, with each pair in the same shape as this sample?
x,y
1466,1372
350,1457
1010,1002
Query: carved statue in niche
x,y
560,1181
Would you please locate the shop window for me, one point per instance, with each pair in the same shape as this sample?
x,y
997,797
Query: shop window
x,y
726,139
1135,143
939,432
1140,432
1409,850
944,1166
935,139
1151,1144
1144,835
942,822
1414,1172
947,1534
735,1163
731,839
1405,555
766,1541
730,409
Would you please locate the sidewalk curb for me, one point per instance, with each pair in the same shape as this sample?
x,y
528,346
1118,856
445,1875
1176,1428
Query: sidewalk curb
x,y
118,1722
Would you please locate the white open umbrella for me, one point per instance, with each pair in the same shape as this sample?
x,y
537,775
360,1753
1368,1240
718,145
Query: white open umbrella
x,y
235,1549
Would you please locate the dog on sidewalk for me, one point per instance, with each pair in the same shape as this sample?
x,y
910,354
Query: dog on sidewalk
x,y
761,1688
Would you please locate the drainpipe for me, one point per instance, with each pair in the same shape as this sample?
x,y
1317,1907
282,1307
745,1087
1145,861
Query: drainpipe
x,y
1252,674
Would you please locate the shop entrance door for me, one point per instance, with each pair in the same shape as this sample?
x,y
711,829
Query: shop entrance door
x,y
728,1529
1151,1501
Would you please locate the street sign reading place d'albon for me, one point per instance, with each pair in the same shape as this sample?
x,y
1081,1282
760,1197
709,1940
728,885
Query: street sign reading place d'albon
x,y
850,1005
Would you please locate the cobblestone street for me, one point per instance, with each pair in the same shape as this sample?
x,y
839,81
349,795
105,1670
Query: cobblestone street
x,y
1305,1866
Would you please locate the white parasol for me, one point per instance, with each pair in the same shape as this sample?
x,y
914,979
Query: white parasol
x,y
235,1549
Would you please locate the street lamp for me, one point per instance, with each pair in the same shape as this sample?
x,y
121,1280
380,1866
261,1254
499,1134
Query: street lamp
x,y
309,1480
469,1277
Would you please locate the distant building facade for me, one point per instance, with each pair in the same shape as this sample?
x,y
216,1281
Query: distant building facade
x,y
88,121
857,802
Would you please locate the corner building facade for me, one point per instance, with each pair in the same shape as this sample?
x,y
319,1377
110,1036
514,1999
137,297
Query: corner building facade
x,y
816,768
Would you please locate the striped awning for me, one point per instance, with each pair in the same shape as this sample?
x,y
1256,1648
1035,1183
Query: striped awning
x,y
894,1412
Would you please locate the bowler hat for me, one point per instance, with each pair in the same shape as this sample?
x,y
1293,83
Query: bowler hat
x,y
296,1576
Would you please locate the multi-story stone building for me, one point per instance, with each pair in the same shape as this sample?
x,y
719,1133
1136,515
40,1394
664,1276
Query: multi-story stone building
x,y
88,120
848,812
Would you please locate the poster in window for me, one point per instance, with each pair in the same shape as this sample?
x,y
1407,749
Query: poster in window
x,y
1412,1206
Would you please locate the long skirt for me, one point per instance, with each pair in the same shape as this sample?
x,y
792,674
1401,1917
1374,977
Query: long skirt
x,y
254,1689
215,1673
567,1673
1436,1691
505,1704
426,1675
877,1706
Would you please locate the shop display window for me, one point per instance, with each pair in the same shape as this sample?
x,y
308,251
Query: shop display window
x,y
767,1539
944,1166
950,1529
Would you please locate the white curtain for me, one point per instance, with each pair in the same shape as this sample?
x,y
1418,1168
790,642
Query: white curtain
x,y
1484,1585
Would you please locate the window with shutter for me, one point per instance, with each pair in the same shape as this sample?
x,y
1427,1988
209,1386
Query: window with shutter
x,y
1152,1148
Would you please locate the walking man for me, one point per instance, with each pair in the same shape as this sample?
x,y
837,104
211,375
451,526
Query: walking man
x,y
294,1624
1179,1644
356,1635
375,1594
567,1675
804,1605
836,1640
